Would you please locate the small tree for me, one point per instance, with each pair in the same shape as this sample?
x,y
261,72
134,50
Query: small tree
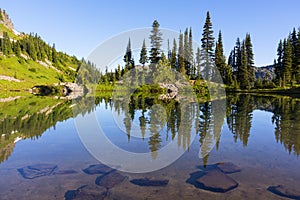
x,y
155,40
143,54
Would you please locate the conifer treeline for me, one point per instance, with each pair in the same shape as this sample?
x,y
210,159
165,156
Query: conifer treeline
x,y
287,65
206,63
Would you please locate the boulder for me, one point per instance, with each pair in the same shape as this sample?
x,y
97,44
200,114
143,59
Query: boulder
x,y
97,169
110,180
148,182
284,191
228,168
86,192
212,180
37,170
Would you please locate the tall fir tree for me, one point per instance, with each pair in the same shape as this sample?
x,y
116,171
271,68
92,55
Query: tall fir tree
x,y
250,60
191,54
294,41
287,61
143,54
155,40
207,52
278,66
298,59
186,49
181,63
128,58
219,57
1,16
198,63
173,60
243,70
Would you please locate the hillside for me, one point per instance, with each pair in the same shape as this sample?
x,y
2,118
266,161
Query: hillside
x,y
26,60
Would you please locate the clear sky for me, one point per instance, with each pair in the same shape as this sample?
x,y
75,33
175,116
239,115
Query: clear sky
x,y
79,26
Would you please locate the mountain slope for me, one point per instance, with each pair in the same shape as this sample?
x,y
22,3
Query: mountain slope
x,y
30,60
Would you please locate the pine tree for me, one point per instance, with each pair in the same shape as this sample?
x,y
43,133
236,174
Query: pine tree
x,y
128,59
173,61
198,63
155,40
242,70
287,61
186,49
118,72
298,59
143,54
54,55
294,41
207,53
250,60
1,16
278,66
238,54
181,64
191,53
220,58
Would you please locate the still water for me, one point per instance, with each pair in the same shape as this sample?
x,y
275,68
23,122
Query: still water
x,y
239,148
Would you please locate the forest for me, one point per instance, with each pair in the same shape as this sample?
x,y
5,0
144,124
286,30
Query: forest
x,y
237,71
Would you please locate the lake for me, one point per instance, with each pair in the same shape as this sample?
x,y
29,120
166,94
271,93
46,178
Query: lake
x,y
241,147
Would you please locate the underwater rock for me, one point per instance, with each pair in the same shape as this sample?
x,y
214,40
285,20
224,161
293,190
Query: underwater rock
x,y
283,191
148,182
212,180
228,168
65,172
86,192
37,170
110,180
217,181
97,169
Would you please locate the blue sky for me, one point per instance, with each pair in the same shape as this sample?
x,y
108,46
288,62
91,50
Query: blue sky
x,y
78,27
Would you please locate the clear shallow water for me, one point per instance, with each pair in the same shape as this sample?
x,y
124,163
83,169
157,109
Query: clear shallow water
x,y
265,151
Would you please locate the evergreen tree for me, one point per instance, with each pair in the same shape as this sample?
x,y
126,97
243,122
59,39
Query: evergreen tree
x,y
278,66
118,73
1,16
173,60
143,54
287,61
242,70
198,63
54,55
128,59
294,41
220,61
238,54
207,53
186,52
155,40
250,60
298,59
191,53
181,64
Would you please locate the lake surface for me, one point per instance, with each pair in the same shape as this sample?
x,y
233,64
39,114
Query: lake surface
x,y
43,156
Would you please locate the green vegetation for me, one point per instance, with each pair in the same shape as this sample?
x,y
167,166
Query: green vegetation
x,y
31,61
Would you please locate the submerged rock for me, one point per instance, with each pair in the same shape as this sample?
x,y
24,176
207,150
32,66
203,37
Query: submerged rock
x,y
228,167
86,192
65,172
283,191
37,170
148,182
212,180
97,169
110,180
